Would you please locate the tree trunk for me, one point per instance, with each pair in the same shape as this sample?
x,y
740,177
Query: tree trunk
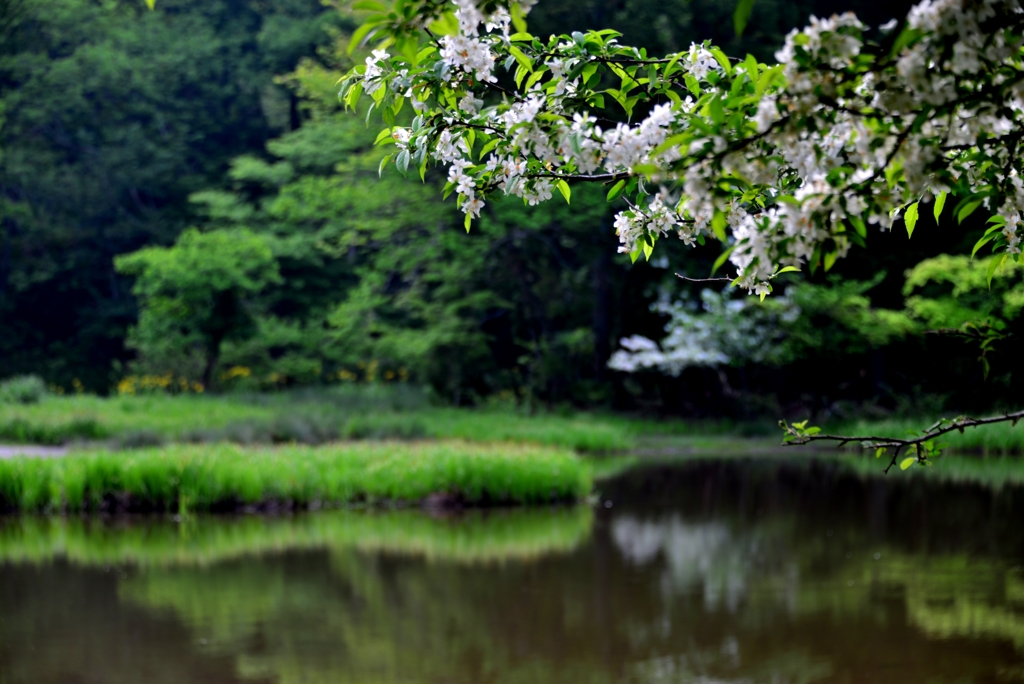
x,y
212,356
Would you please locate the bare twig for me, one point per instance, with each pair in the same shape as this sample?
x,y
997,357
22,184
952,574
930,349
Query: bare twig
x,y
704,280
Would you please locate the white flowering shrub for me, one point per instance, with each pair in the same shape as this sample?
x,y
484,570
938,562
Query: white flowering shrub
x,y
785,164
717,332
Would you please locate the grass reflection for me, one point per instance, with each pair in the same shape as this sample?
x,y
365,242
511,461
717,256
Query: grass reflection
x,y
714,572
471,537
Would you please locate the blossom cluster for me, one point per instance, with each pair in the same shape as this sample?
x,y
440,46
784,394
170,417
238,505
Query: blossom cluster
x,y
786,164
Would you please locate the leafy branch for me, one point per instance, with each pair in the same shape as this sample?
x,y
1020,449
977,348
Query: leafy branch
x,y
920,446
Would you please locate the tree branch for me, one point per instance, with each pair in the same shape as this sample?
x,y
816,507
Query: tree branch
x,y
704,280
798,435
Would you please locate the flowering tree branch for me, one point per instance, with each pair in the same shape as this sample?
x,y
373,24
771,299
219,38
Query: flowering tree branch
x,y
785,164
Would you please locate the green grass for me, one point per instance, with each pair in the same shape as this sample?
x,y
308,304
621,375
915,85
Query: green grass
x,y
228,477
310,418
473,537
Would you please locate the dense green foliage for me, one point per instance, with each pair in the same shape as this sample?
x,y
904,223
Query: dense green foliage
x,y
227,477
194,293
112,115
124,128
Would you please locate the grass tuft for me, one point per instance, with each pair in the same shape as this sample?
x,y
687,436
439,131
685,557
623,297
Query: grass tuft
x,y
229,477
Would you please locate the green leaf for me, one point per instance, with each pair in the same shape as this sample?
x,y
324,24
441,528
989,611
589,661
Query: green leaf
x,y
371,6
521,72
967,209
383,135
718,225
518,17
995,265
910,218
383,163
692,84
717,112
907,462
858,226
722,59
722,258
469,219
767,78
672,141
751,64
151,4
489,147
940,202
361,34
445,25
563,187
741,16
830,260
981,243
521,57
616,191
536,76
879,451
907,36
648,250
402,161
787,269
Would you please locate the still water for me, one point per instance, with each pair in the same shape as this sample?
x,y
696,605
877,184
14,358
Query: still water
x,y
737,571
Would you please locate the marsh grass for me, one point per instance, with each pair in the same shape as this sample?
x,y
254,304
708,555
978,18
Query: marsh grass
x,y
226,477
469,537
302,416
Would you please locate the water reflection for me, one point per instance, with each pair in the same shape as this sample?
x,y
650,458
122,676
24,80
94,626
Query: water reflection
x,y
704,572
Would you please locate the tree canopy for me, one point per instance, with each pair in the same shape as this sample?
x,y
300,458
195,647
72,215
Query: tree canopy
x,y
785,164
195,291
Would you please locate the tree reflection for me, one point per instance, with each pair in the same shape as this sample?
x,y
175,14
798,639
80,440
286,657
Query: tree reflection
x,y
700,573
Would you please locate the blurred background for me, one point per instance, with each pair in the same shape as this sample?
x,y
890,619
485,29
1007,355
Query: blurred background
x,y
214,126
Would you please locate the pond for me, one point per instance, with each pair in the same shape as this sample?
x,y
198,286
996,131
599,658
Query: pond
x,y
704,571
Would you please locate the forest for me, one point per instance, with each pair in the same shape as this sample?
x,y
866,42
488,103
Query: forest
x,y
186,206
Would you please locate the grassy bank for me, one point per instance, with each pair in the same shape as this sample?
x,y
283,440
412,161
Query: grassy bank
x,y
471,537
230,477
307,418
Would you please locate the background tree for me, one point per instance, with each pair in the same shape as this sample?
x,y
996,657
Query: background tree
x,y
112,115
196,293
